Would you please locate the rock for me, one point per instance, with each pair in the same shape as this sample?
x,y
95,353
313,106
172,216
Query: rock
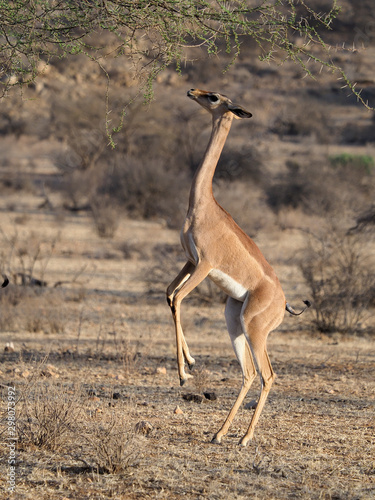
x,y
161,370
143,427
94,398
210,396
116,395
9,347
196,398
178,411
251,405
49,373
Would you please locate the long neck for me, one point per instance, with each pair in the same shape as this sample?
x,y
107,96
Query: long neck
x,y
201,188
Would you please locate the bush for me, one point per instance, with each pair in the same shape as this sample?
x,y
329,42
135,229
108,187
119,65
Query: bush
x,y
64,419
105,215
341,184
363,164
147,189
301,187
337,268
47,415
247,164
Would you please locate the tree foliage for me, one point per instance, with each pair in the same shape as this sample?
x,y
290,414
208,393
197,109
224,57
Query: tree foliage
x,y
156,33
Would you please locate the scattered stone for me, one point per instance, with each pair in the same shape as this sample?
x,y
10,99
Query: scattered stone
x,y
251,405
94,398
120,377
9,347
211,396
161,370
178,411
67,352
91,392
143,427
116,395
49,371
25,374
196,398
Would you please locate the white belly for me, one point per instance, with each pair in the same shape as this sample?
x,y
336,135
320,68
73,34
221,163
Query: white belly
x,y
228,284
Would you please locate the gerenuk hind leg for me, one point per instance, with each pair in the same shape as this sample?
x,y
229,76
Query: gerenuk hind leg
x,y
242,350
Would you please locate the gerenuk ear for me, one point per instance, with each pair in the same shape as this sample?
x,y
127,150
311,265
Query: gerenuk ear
x,y
239,111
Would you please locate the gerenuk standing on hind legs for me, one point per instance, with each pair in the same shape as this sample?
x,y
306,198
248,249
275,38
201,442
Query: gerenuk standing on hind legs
x,y
216,247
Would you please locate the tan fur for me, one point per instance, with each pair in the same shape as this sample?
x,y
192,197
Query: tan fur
x,y
217,248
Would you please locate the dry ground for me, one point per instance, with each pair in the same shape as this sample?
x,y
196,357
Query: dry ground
x,y
93,364
95,373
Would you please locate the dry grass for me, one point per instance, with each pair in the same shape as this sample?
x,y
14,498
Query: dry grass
x,y
96,418
315,438
94,365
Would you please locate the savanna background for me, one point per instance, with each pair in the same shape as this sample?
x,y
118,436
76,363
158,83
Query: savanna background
x,y
89,238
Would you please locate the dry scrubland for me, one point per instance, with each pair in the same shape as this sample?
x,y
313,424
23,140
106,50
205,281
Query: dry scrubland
x,y
91,353
95,373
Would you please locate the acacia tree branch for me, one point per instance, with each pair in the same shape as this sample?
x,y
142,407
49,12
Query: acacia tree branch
x,y
30,30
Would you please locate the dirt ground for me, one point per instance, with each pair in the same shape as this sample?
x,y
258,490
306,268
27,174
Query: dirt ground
x,y
99,411
91,406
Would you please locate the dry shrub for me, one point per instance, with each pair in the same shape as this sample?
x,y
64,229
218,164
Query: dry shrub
x,y
44,313
9,299
365,221
65,420
129,357
36,309
322,188
34,323
144,174
13,299
247,164
26,259
293,120
77,188
110,446
140,187
46,416
148,189
105,215
126,352
338,269
201,379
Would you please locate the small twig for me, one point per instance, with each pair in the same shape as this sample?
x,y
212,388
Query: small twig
x,y
79,329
